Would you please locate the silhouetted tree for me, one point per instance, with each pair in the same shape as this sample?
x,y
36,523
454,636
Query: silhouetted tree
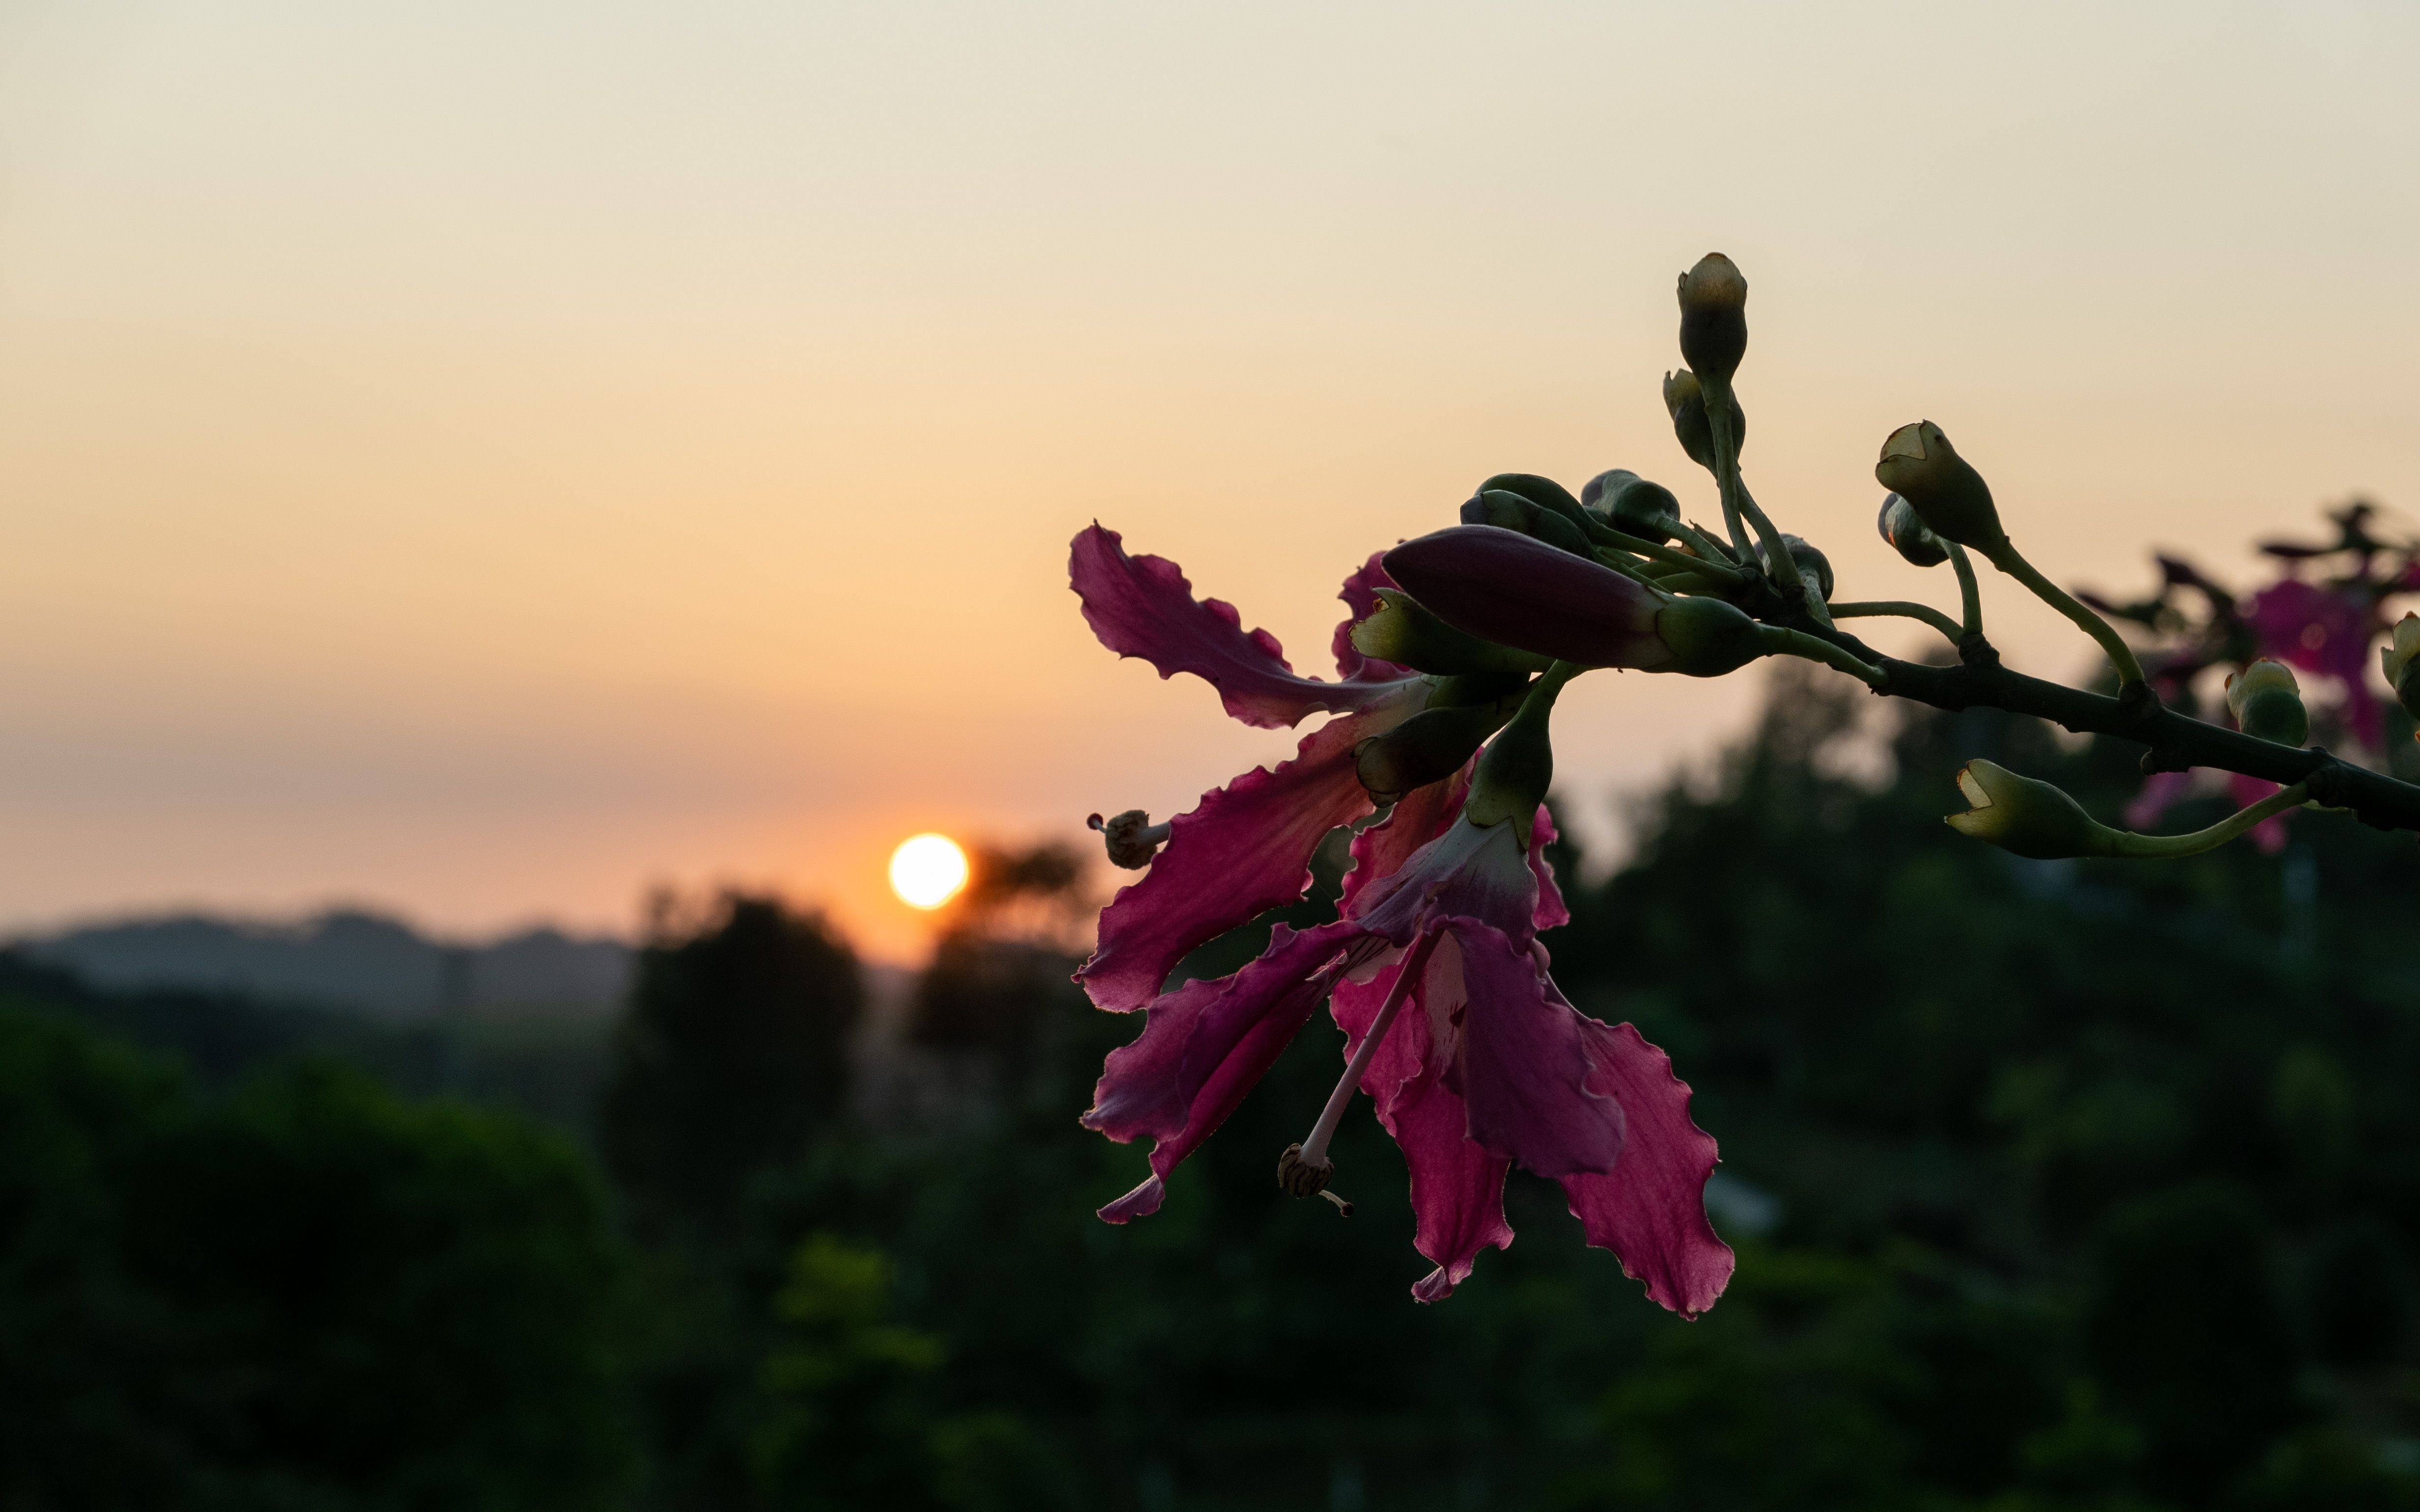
x,y
734,1050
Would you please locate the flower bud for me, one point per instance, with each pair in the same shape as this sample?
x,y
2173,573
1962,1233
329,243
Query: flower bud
x,y
1517,592
1813,566
1950,497
1684,399
2267,702
1630,502
1708,637
2401,659
1541,491
1510,511
1400,631
1518,766
2025,815
1132,838
1713,316
1908,534
1427,747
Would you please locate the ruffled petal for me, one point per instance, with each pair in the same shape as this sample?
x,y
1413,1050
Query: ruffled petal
x,y
1143,607
1457,1187
1243,850
1418,817
1650,1212
1204,1045
1361,595
1474,871
1523,1064
1505,587
1551,911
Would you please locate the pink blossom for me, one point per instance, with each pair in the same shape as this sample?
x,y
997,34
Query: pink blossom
x,y
1511,589
1491,1065
1244,848
2327,631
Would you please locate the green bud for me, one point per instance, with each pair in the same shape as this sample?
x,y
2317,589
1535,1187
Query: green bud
x,y
2267,702
1630,502
1427,747
1707,636
1685,399
2401,659
1519,764
1908,534
1510,511
1400,631
1948,494
1713,316
2026,816
1813,566
1541,491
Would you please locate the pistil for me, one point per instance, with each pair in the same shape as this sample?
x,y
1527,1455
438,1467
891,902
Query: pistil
x,y
1305,1169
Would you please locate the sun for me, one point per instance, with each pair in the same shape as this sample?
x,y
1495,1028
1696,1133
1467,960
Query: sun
x,y
928,871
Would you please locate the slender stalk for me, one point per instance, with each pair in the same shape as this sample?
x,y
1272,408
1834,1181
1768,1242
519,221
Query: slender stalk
x,y
1783,642
2160,847
1707,549
1639,546
2121,656
1737,505
1624,564
1970,596
1902,609
1314,1149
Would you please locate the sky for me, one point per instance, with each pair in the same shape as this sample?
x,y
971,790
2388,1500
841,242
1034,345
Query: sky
x,y
489,460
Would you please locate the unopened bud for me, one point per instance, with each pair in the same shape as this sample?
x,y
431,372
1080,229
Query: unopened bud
x,y
1685,399
1403,632
1707,636
1132,838
2025,815
1713,316
1908,534
1519,764
1545,492
1813,566
1510,511
1630,502
1952,498
1429,747
2267,702
2401,659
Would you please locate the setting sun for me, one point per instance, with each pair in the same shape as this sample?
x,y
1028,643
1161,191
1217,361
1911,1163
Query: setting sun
x,y
928,871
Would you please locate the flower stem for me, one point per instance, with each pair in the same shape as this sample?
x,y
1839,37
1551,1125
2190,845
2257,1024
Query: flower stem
x,y
1784,641
1970,596
2004,557
1314,1149
2163,847
1720,571
1707,550
1736,503
1900,610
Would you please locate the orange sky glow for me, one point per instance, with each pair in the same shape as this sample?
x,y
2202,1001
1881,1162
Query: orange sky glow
x,y
486,462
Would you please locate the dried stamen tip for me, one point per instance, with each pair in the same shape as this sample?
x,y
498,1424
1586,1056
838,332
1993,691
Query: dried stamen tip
x,y
1131,837
1304,1178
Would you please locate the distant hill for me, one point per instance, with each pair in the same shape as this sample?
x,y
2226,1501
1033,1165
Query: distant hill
x,y
347,960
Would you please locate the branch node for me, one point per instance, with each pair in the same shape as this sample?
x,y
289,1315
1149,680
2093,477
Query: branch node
x,y
2160,759
1973,651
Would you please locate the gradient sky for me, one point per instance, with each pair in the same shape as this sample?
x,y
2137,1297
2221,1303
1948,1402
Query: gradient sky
x,y
486,459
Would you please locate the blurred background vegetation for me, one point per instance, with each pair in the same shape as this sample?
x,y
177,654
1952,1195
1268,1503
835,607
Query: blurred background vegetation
x,y
2055,1186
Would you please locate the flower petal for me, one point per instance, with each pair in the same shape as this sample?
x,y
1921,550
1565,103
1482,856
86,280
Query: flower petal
x,y
1143,607
1475,871
1244,849
1457,1187
1650,1212
1361,595
1418,817
1523,1064
1505,587
1204,1045
1552,913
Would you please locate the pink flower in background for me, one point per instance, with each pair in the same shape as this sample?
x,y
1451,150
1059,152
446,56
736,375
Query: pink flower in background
x,y
1244,848
1490,1066
2326,631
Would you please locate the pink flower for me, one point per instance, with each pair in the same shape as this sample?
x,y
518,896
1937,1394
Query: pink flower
x,y
1492,1067
2327,631
1247,847
1517,591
